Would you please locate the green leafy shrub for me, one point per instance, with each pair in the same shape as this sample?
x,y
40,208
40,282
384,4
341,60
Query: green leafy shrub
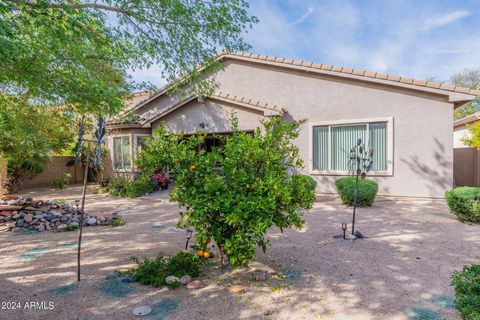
x,y
467,291
116,223
464,202
124,187
235,194
60,202
184,263
60,183
154,271
72,227
366,193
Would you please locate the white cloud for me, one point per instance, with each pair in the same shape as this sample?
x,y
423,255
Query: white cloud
x,y
446,19
304,17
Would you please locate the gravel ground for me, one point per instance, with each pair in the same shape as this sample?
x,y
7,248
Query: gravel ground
x,y
401,270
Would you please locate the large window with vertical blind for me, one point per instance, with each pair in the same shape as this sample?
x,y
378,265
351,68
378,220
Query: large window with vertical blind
x,y
332,144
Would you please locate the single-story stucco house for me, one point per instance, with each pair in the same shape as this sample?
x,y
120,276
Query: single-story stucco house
x,y
407,122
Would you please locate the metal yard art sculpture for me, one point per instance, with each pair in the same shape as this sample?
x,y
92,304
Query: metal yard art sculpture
x,y
98,141
360,162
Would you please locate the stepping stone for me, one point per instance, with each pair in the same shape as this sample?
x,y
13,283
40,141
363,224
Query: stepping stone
x,y
142,310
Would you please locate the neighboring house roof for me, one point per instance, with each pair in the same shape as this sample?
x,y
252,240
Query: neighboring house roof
x,y
267,108
136,98
466,120
457,95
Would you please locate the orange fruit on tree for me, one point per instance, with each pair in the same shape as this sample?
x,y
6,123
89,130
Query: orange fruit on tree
x,y
206,254
192,167
200,253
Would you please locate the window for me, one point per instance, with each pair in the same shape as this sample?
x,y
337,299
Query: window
x,y
122,158
141,143
332,144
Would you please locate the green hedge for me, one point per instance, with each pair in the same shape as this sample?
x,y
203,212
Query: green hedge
x,y
467,291
367,191
464,202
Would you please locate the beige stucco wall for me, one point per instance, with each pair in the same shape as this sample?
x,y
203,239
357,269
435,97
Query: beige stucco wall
x,y
422,132
215,115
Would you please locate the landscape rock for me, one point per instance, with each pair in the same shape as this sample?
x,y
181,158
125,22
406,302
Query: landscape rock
x,y
18,213
260,277
186,279
6,213
28,218
195,284
236,289
171,279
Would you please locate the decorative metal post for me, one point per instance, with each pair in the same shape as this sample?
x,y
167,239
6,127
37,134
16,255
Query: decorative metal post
x,y
360,163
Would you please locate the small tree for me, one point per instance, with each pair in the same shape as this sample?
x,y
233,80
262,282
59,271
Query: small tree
x,y
235,194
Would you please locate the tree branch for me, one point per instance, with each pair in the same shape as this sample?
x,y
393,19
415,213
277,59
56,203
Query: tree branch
x,y
75,6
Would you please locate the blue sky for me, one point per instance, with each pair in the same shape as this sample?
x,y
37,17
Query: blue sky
x,y
421,39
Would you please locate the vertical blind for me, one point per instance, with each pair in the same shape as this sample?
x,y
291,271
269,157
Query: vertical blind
x,y
320,152
378,142
332,144
121,153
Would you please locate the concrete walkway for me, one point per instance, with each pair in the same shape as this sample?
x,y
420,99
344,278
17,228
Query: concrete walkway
x,y
400,271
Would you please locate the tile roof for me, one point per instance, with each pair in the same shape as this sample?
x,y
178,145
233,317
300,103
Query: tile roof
x,y
468,119
251,102
228,97
355,72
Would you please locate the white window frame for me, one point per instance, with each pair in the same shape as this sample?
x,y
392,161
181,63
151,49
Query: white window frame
x,y
367,121
112,149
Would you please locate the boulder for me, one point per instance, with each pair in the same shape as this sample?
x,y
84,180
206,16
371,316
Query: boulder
x,y
91,221
41,227
195,284
62,227
186,279
171,280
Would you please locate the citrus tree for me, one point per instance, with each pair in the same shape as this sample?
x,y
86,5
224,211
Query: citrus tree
x,y
236,193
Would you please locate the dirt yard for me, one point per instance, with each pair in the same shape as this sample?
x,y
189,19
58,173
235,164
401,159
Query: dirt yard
x,y
401,270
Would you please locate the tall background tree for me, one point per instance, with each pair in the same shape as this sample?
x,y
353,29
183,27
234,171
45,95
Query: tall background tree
x,y
76,54
469,78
